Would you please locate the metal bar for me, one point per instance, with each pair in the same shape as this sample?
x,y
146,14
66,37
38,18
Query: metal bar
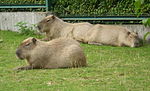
x,y
24,6
46,5
104,18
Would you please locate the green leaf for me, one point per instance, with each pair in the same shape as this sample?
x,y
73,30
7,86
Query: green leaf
x,y
146,22
138,5
145,36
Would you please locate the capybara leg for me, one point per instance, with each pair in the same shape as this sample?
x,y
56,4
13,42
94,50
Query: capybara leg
x,y
94,43
24,68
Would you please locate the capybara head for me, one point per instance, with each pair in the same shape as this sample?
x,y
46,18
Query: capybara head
x,y
43,25
133,39
25,48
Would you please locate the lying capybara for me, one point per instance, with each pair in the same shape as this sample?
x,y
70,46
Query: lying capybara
x,y
54,27
88,33
57,53
111,35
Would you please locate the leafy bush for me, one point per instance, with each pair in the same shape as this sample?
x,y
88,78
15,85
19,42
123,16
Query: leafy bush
x,y
98,7
146,22
25,29
139,5
19,2
87,7
3,2
145,38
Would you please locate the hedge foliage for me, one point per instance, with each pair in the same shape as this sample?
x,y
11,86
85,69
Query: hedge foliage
x,y
87,7
99,7
3,2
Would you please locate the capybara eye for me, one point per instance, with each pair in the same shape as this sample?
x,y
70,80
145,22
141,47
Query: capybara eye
x,y
27,44
48,20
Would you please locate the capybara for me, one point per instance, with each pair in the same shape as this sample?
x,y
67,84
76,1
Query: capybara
x,y
54,27
57,53
87,33
111,35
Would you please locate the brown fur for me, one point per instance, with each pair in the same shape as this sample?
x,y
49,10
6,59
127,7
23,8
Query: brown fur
x,y
55,28
88,33
111,35
58,53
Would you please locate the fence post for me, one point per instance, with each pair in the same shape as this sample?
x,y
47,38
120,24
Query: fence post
x,y
48,5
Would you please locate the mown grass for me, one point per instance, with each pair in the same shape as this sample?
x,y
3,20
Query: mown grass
x,y
109,69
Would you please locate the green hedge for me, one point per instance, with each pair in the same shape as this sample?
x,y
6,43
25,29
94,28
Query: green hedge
x,y
85,7
3,2
98,7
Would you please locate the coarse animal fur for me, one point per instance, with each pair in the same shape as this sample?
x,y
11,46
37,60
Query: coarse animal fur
x,y
57,53
111,35
87,33
55,28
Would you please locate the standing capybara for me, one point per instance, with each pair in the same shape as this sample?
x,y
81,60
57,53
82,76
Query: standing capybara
x,y
111,35
55,28
58,53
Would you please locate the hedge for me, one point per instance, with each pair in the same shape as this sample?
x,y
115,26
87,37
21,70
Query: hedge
x,y
85,7
3,2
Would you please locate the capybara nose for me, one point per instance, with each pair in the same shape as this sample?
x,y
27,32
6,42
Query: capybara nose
x,y
137,44
18,52
39,27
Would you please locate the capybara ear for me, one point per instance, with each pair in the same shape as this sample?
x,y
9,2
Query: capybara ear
x,y
34,40
53,17
128,33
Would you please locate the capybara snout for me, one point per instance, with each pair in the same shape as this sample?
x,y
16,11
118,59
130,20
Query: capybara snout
x,y
18,52
137,43
38,27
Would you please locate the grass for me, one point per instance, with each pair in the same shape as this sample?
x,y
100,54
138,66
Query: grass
x,y
109,69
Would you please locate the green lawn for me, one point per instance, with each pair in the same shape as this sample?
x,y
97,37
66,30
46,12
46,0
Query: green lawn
x,y
109,69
